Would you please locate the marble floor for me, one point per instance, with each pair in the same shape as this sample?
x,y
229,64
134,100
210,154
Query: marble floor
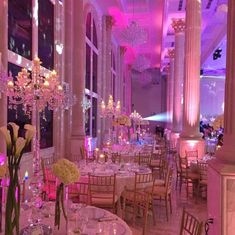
x,y
179,201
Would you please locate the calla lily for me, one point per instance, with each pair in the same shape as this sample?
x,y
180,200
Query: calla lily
x,y
30,131
7,136
15,130
20,144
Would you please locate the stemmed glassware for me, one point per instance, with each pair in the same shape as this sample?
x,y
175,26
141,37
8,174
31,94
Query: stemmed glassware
x,y
35,186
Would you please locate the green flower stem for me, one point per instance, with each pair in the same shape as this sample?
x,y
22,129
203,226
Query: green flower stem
x,y
60,200
13,202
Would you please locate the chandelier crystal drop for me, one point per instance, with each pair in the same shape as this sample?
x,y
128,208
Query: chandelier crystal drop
x,y
134,35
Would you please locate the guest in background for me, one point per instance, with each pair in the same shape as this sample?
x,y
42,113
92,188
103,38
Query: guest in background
x,y
220,140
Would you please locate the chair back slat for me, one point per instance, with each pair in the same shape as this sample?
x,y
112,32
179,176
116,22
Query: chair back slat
x,y
191,155
190,225
79,192
203,167
145,159
99,185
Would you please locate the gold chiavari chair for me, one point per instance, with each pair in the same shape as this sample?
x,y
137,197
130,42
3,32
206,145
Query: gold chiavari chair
x,y
177,167
187,176
202,184
145,159
116,158
102,191
190,225
79,192
191,155
163,192
129,196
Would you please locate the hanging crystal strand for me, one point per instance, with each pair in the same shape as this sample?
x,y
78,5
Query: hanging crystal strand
x,y
36,150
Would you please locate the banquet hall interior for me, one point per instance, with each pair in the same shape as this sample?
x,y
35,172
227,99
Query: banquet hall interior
x,y
117,117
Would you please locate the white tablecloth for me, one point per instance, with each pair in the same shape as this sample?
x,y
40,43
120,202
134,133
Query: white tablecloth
x,y
95,221
125,176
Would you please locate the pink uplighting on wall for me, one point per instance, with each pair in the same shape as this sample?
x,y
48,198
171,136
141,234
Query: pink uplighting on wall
x,y
119,17
192,143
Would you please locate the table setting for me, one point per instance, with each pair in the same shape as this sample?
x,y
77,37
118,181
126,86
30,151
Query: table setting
x,y
82,219
125,173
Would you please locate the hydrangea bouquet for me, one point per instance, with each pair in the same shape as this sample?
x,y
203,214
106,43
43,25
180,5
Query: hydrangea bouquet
x,y
67,173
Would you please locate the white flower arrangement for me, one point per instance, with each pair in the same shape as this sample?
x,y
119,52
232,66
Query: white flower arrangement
x,y
66,171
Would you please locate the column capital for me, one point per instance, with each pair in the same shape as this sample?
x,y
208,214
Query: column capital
x,y
171,53
109,20
178,24
123,50
166,69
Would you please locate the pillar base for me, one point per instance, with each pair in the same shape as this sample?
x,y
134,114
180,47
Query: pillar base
x,y
187,144
76,142
227,152
220,197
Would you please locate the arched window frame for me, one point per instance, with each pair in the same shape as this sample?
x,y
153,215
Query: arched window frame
x,y
91,91
21,61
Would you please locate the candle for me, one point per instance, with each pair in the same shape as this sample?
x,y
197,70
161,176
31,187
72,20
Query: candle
x,y
26,175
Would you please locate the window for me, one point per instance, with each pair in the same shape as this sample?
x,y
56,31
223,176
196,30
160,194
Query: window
x,y
113,74
91,76
15,114
20,27
20,39
46,33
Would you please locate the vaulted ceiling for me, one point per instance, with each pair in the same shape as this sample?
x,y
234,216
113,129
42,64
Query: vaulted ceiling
x,y
155,16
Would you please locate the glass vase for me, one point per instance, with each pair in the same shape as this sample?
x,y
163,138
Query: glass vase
x,y
12,214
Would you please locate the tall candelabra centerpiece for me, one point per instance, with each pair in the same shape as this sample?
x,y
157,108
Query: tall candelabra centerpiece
x,y
35,92
110,110
136,118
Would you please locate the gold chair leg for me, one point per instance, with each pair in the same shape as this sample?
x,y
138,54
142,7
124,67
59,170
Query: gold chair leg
x,y
170,203
153,212
166,204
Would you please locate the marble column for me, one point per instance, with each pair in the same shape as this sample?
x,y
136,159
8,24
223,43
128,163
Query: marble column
x,y
122,53
190,137
178,25
173,135
58,118
128,97
3,65
221,172
108,22
75,75
170,79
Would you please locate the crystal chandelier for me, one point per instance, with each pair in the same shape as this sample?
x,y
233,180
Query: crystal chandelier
x,y
141,64
35,92
133,34
111,109
136,117
38,92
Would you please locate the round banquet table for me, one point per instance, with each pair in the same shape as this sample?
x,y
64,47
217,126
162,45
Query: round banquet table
x,y
125,174
91,220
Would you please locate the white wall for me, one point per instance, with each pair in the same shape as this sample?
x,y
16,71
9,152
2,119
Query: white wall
x,y
148,93
212,96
